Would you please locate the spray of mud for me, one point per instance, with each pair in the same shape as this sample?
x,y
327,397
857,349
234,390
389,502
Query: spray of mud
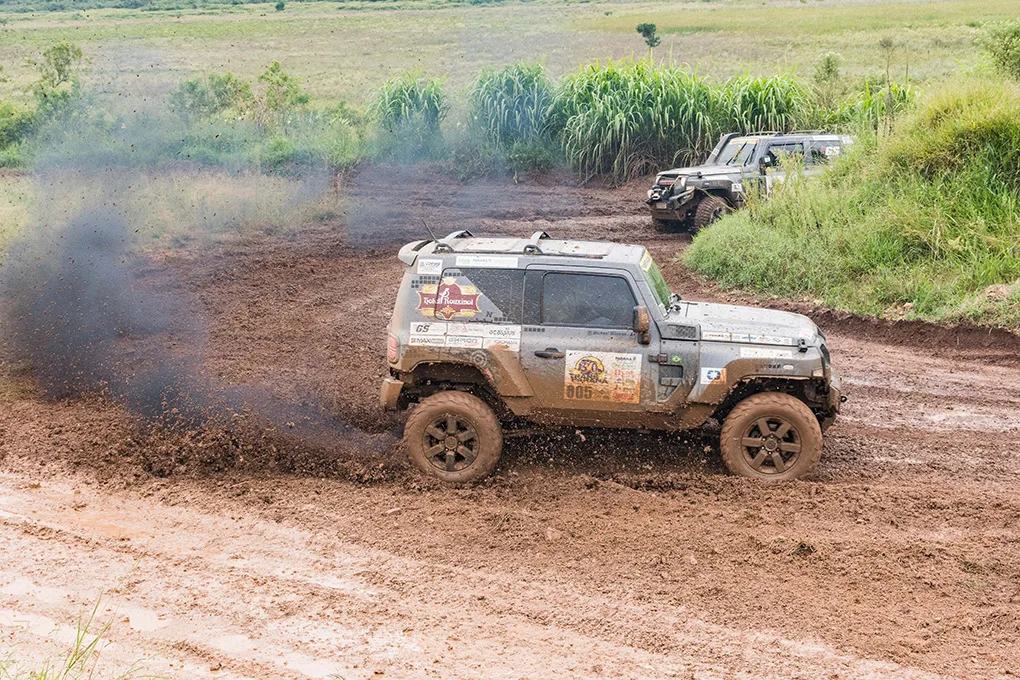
x,y
87,310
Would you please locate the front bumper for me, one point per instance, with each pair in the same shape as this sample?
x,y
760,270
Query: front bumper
x,y
389,394
835,399
671,207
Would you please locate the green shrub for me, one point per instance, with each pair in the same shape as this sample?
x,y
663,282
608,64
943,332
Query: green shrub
x,y
869,107
1002,42
931,217
214,94
510,104
15,124
411,100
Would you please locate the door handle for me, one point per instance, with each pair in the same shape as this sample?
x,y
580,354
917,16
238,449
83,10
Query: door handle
x,y
550,353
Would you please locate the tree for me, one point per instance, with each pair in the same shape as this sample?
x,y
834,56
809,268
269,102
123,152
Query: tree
x,y
828,79
58,86
61,64
280,4
648,32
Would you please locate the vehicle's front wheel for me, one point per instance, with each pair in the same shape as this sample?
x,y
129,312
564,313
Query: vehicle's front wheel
x,y
710,208
453,436
771,436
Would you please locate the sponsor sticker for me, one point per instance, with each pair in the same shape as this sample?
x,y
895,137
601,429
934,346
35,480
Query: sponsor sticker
x,y
430,267
427,341
431,328
512,344
462,341
715,335
448,300
765,353
770,340
713,376
602,376
491,261
485,330
465,335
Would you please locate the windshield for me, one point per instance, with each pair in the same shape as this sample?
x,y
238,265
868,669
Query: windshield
x,y
738,151
656,280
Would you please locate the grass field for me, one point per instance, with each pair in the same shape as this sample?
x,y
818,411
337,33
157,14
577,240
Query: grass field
x,y
345,50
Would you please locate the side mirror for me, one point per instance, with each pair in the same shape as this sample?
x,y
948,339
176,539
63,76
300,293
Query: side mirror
x,y
642,323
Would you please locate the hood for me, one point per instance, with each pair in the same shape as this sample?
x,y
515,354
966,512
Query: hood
x,y
733,323
706,170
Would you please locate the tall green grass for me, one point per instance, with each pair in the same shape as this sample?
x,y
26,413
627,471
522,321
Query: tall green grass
x,y
510,104
924,222
752,103
411,99
629,117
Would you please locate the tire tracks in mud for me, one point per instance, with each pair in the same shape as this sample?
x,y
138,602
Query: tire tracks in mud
x,y
234,583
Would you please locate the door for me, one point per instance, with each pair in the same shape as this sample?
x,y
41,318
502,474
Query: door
x,y
583,359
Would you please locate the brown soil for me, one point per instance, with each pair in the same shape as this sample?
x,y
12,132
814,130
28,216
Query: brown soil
x,y
586,555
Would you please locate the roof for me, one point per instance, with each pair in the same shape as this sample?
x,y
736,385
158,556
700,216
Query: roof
x,y
539,246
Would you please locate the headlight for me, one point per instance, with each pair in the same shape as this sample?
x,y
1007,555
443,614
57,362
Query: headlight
x,y
681,182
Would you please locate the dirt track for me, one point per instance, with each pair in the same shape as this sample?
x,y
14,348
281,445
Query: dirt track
x,y
621,556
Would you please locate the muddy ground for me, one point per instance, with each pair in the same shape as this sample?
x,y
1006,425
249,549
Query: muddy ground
x,y
585,556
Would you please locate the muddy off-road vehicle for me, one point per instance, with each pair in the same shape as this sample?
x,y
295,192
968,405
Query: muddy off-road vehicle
x,y
493,333
691,198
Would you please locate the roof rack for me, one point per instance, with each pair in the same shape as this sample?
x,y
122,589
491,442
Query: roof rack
x,y
532,247
443,247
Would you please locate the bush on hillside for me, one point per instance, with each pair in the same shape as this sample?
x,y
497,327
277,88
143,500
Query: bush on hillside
x,y
1002,42
924,225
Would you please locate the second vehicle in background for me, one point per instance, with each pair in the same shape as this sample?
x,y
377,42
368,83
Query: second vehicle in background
x,y
691,198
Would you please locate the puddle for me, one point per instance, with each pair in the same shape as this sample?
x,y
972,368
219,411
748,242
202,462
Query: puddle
x,y
243,646
20,586
141,619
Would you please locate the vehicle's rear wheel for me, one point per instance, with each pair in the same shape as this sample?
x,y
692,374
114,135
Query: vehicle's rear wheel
x,y
667,226
771,436
453,436
710,208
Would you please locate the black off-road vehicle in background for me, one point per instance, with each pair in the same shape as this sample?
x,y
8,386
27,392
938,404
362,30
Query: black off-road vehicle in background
x,y
691,198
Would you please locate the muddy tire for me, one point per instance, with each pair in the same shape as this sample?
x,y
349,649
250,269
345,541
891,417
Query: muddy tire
x,y
667,226
453,436
710,208
771,436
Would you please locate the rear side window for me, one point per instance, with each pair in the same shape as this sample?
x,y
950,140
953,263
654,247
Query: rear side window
x,y
821,152
587,300
478,295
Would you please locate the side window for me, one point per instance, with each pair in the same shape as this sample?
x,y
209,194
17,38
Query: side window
x,y
780,152
821,152
478,295
588,300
